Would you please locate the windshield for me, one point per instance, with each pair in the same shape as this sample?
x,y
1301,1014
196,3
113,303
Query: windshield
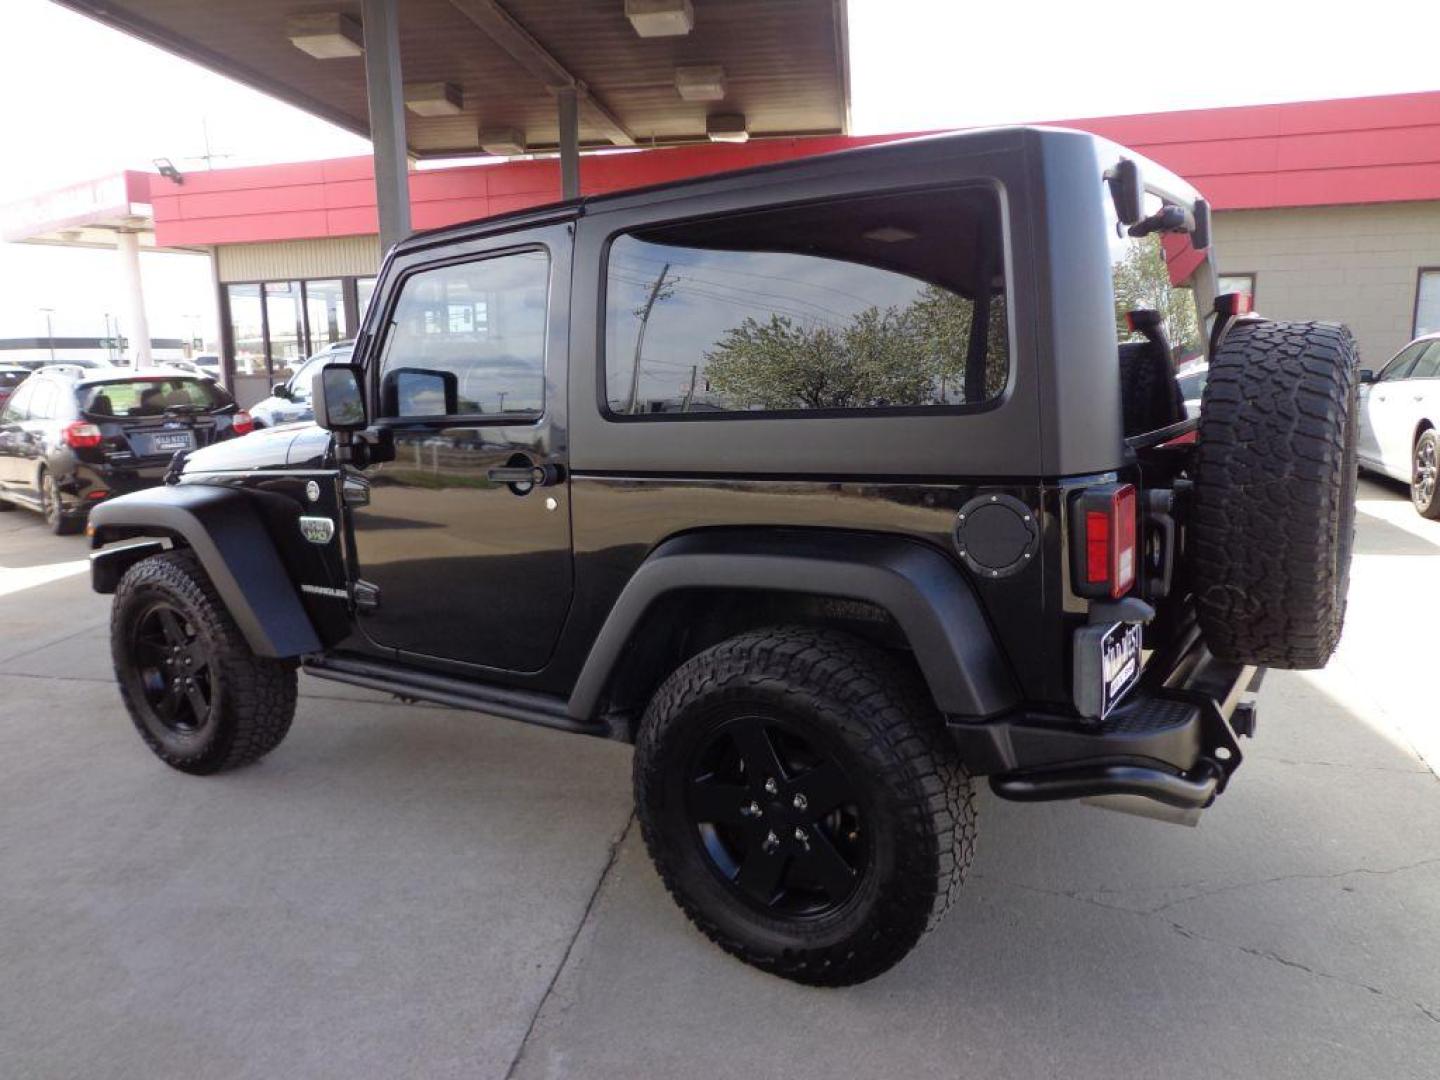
x,y
152,397
1161,272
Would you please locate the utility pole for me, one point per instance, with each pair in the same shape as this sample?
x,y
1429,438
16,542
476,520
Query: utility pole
x,y
690,394
634,403
49,331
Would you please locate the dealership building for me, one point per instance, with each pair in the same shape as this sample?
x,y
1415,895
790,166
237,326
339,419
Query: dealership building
x,y
1323,209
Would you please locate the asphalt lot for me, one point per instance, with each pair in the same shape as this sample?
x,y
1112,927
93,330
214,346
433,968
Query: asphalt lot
x,y
415,891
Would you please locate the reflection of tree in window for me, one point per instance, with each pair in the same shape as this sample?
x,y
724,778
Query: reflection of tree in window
x,y
1142,282
913,355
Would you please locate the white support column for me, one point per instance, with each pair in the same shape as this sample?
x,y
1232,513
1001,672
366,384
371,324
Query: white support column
x,y
127,244
385,88
569,115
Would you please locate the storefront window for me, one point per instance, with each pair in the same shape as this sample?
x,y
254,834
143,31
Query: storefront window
x,y
364,290
247,327
325,313
276,325
287,330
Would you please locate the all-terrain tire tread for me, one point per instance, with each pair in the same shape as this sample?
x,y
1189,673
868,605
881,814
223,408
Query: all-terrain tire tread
x,y
903,736
260,693
1272,530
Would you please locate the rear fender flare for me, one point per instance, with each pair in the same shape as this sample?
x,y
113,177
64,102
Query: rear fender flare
x,y
226,529
926,594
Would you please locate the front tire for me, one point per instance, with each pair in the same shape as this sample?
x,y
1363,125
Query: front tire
x,y
1425,475
801,803
201,700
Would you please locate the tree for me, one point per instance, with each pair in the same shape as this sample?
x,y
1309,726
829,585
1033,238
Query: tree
x,y
1142,281
912,355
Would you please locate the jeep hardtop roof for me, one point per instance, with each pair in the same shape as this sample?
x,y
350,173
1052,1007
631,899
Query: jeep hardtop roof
x,y
975,141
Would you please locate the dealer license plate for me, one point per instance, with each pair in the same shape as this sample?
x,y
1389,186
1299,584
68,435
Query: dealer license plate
x,y
179,440
1119,663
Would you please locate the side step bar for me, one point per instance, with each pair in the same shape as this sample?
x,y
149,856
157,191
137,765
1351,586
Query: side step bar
x,y
528,706
1172,789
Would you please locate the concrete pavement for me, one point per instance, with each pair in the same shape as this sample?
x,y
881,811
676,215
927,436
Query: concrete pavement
x,y
415,891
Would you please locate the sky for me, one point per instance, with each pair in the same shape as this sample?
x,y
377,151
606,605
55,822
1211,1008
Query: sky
x,y
83,101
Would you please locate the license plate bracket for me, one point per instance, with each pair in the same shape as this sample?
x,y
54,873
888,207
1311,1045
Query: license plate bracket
x,y
1107,666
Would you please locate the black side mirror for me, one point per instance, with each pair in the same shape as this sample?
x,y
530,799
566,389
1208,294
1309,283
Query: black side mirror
x,y
280,390
1367,376
1127,191
339,398
1200,234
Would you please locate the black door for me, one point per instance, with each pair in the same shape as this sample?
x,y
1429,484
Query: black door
x,y
467,533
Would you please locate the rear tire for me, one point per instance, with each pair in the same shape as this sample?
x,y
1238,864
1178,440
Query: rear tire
x,y
1274,515
1425,475
52,507
201,700
802,804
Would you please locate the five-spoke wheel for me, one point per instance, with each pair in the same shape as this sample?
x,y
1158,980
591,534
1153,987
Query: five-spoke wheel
x,y
802,804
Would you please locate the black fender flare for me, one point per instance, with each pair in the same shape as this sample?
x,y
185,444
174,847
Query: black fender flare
x,y
226,529
927,595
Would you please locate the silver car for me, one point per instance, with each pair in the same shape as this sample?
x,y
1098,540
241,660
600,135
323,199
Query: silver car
x,y
1399,417
289,401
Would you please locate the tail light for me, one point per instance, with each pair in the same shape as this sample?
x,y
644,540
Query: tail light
x,y
242,423
1104,544
82,435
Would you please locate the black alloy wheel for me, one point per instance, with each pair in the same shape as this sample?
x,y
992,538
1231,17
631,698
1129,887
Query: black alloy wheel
x,y
200,698
173,670
777,818
1425,475
798,794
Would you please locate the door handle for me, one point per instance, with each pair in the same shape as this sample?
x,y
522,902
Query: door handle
x,y
527,475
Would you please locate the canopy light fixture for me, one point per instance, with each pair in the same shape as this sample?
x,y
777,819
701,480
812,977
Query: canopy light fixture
x,y
433,98
703,82
503,142
167,169
660,18
728,127
327,36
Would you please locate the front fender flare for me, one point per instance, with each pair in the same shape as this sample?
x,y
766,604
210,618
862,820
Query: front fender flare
x,y
226,530
926,594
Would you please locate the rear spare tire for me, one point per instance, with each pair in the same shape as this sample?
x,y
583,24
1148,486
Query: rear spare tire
x,y
1274,514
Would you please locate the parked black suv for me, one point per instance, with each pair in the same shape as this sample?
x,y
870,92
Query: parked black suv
x,y
72,436
831,485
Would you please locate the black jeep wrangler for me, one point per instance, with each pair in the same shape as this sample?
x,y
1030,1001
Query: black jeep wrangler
x,y
831,485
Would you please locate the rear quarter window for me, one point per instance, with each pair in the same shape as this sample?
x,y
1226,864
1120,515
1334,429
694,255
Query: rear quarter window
x,y
879,303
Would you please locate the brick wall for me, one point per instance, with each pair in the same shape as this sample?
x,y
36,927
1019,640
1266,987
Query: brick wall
x,y
1355,264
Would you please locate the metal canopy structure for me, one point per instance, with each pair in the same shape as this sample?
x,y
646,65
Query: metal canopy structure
x,y
783,64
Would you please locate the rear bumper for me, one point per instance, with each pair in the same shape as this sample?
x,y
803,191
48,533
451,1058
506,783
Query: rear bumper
x,y
1174,741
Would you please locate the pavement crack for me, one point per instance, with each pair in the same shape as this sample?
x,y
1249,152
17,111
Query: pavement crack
x,y
610,861
1218,890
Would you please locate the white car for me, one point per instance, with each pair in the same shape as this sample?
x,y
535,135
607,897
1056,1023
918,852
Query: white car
x,y
1192,377
1399,417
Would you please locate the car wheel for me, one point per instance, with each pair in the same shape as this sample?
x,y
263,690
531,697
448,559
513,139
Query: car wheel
x,y
1425,475
1273,526
6,505
198,696
53,507
802,804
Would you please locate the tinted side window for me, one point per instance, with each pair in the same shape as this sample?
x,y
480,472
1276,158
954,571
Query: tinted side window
x,y
479,324
894,301
18,407
1428,366
43,402
1399,368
